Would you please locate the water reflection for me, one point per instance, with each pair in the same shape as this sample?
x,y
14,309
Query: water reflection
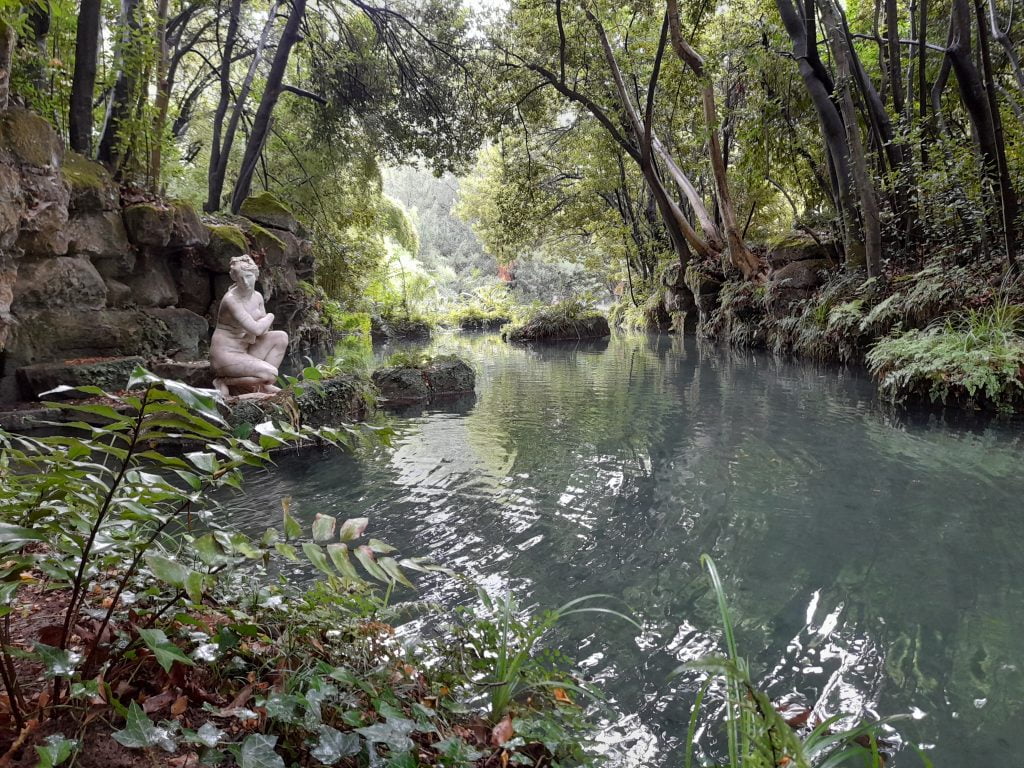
x,y
871,557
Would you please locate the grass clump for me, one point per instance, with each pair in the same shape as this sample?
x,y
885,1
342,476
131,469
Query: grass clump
x,y
474,317
570,319
974,357
758,735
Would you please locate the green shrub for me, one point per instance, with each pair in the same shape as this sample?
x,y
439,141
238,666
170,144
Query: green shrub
x,y
975,357
570,319
278,672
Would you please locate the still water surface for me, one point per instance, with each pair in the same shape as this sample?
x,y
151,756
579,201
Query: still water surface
x,y
874,560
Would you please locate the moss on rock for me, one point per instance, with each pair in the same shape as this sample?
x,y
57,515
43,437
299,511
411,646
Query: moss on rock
x,y
30,138
267,210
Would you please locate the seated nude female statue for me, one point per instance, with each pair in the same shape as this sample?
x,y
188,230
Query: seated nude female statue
x,y
244,352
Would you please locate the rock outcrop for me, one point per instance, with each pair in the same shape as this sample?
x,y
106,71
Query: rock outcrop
x,y
442,377
83,275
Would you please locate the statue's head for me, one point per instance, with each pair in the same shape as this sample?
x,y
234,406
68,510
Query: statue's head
x,y
243,271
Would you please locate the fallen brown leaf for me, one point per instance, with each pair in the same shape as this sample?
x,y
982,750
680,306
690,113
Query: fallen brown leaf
x,y
502,732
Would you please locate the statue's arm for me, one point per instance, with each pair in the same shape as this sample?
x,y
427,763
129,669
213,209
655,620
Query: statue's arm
x,y
248,323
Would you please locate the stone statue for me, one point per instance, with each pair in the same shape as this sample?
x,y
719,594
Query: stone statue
x,y
244,352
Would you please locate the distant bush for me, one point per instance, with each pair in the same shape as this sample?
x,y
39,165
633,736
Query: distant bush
x,y
570,319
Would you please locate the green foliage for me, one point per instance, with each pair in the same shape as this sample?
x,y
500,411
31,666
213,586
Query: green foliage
x,y
974,356
573,318
125,509
488,308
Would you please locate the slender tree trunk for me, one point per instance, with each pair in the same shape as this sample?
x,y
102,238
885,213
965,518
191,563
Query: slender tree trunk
x,y
892,36
119,109
83,82
264,113
740,255
832,128
862,178
163,98
1003,38
1007,194
976,100
922,79
214,192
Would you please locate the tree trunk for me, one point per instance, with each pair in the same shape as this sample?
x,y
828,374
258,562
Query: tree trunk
x,y
119,108
163,98
976,100
740,255
83,82
892,36
1007,194
922,79
832,128
271,93
214,193
865,187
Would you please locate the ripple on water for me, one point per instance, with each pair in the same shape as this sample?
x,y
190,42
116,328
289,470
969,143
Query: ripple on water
x,y
872,559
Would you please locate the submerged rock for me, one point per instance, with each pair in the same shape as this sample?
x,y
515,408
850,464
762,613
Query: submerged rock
x,y
442,377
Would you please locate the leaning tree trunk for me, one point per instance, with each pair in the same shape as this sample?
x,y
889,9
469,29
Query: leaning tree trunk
x,y
271,93
739,254
832,128
83,82
976,101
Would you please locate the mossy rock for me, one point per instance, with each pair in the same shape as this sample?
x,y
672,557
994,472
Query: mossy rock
x,y
168,224
542,328
794,246
701,282
267,210
92,187
30,139
226,242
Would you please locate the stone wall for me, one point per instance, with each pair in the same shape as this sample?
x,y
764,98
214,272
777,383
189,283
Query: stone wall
x,y
85,274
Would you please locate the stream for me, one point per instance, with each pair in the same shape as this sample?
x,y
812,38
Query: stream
x,y
872,557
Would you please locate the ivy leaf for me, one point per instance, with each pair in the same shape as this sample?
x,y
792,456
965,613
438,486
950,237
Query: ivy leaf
x,y
353,529
165,651
334,745
139,731
323,528
394,733
194,584
258,752
57,749
57,663
209,735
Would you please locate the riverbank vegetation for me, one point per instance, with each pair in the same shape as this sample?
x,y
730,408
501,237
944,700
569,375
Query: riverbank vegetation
x,y
133,621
